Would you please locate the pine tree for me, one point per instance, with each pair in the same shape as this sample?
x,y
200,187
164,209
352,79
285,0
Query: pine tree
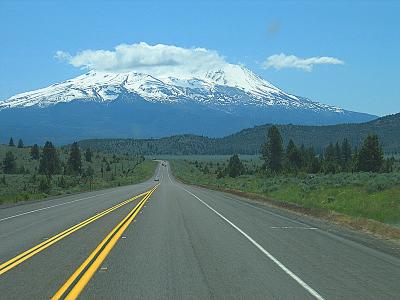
x,y
293,156
303,156
235,166
88,155
49,161
330,165
89,173
346,155
370,156
220,173
387,165
20,143
35,152
9,163
75,160
311,162
315,165
338,154
11,142
329,153
272,150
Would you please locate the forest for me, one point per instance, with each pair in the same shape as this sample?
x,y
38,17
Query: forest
x,y
249,141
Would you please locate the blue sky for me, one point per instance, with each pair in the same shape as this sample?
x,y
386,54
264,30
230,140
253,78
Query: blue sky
x,y
364,35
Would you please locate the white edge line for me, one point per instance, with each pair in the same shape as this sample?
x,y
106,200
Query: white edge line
x,y
52,206
269,255
246,203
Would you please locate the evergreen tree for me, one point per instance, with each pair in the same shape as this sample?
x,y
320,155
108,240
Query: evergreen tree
x,y
370,157
75,160
312,164
20,143
220,174
293,156
303,156
88,155
89,173
315,165
329,153
9,163
272,150
206,170
338,154
11,142
330,165
346,155
387,165
235,166
49,162
35,152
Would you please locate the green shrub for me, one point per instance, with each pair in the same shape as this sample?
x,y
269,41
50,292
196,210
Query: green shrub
x,y
45,185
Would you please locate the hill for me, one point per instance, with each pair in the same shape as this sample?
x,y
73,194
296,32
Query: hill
x,y
248,141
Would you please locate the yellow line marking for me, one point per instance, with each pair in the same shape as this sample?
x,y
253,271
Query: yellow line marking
x,y
114,235
68,283
8,265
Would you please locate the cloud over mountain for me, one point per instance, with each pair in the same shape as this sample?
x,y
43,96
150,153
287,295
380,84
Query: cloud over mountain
x,y
142,57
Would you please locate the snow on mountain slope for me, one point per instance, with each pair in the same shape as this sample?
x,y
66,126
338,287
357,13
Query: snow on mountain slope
x,y
232,85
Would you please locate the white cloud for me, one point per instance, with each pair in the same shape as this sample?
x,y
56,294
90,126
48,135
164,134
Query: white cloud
x,y
142,57
280,61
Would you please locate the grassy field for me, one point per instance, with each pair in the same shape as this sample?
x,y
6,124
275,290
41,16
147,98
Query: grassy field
x,y
361,195
26,185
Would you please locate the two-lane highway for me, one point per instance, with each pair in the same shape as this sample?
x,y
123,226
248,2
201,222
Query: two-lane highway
x,y
178,242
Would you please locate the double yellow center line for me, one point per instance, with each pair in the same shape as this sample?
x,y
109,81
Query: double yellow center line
x,y
8,265
80,278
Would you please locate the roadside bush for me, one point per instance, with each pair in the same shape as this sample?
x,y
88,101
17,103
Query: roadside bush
x,y
377,186
45,185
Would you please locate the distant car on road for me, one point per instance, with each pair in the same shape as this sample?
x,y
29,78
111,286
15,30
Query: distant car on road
x,y
156,179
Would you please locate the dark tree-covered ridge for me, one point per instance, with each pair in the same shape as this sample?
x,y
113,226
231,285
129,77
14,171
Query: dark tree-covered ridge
x,y
249,141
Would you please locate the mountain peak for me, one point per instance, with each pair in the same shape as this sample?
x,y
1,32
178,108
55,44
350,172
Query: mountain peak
x,y
215,102
229,85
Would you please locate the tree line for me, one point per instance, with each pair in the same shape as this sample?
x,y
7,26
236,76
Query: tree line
x,y
338,157
12,144
49,160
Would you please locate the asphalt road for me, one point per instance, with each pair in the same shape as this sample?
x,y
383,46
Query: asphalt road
x,y
180,242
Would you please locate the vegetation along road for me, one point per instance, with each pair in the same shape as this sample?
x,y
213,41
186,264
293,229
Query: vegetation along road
x,y
165,239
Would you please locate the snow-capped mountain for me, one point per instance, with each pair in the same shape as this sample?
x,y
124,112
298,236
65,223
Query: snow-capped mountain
x,y
131,104
233,85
